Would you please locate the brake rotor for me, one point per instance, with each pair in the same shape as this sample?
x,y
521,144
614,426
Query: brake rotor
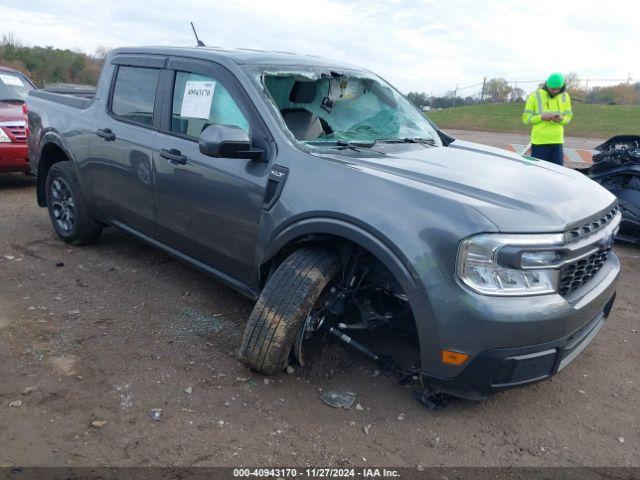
x,y
309,326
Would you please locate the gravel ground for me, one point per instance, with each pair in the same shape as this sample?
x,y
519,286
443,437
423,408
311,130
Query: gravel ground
x,y
93,338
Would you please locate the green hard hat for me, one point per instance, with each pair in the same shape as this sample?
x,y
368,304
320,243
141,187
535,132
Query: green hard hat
x,y
555,80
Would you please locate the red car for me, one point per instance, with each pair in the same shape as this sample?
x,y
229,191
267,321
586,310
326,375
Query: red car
x,y
14,88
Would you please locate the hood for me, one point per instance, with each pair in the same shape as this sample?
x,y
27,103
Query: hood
x,y
518,194
11,112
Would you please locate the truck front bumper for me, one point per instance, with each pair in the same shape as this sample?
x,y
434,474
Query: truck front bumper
x,y
512,342
14,157
503,368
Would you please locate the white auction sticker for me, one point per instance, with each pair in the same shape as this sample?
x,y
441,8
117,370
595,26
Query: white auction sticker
x,y
11,80
196,102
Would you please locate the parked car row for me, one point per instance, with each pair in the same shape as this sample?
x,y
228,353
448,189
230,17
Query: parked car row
x,y
14,89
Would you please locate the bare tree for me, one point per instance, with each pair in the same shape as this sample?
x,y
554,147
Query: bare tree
x,y
418,99
572,81
497,90
516,95
9,40
101,53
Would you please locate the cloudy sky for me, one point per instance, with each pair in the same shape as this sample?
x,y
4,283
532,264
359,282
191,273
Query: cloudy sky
x,y
421,45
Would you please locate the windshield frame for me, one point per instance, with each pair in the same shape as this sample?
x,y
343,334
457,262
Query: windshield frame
x,y
258,72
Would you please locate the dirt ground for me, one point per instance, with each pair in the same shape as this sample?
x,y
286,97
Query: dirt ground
x,y
106,333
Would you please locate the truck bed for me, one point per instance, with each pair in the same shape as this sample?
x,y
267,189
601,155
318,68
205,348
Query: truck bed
x,y
76,96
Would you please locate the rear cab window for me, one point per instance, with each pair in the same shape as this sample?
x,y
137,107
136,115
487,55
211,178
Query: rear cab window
x,y
200,101
134,92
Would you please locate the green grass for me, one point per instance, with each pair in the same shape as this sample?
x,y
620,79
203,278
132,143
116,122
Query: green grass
x,y
598,121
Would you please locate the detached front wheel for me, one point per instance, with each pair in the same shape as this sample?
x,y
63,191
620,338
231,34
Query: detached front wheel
x,y
284,304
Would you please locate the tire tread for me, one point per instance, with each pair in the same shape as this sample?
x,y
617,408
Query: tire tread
x,y
283,305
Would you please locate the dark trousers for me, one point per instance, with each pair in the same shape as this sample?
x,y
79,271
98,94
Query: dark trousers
x,y
551,152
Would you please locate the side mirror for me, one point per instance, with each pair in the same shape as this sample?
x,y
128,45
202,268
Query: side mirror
x,y
227,141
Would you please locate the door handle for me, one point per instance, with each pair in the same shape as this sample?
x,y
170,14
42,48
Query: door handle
x,y
174,156
107,134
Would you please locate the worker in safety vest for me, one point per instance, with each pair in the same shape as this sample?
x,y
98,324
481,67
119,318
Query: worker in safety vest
x,y
548,110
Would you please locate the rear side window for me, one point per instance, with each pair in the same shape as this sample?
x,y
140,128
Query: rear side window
x,y
200,101
134,94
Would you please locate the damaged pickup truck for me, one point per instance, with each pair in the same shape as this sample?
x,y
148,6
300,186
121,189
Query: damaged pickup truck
x,y
316,189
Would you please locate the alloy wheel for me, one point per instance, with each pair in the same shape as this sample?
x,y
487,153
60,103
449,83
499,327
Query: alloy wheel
x,y
62,205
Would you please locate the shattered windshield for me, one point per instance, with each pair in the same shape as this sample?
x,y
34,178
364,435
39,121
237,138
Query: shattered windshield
x,y
321,108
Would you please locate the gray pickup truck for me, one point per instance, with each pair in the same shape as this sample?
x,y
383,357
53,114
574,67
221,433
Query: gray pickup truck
x,y
316,189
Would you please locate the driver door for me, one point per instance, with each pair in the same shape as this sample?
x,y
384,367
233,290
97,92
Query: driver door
x,y
208,208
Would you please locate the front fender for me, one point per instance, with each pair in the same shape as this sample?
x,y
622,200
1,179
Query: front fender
x,y
386,252
390,256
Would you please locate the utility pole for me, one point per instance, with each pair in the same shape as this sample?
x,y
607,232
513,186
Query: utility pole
x,y
586,90
626,92
484,82
455,94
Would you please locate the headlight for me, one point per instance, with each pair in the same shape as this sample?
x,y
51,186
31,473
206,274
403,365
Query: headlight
x,y
502,264
4,138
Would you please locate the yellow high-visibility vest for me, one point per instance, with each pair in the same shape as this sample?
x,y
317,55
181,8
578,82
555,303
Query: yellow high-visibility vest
x,y
544,132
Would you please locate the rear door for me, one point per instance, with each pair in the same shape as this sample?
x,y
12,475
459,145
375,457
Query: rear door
x,y
120,167
209,208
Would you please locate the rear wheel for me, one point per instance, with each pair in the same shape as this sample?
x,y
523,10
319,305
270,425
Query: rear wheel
x,y
68,210
284,304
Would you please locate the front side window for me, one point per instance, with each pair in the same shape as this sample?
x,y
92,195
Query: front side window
x,y
134,94
200,101
323,107
13,87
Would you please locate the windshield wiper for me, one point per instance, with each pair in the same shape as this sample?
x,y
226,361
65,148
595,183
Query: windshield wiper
x,y
343,144
20,100
422,141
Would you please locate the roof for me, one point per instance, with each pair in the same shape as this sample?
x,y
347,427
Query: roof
x,y
240,56
7,69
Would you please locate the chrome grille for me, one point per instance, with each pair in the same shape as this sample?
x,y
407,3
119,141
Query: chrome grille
x,y
19,133
596,236
590,227
576,274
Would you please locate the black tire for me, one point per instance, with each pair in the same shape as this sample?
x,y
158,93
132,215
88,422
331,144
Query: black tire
x,y
67,207
282,307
